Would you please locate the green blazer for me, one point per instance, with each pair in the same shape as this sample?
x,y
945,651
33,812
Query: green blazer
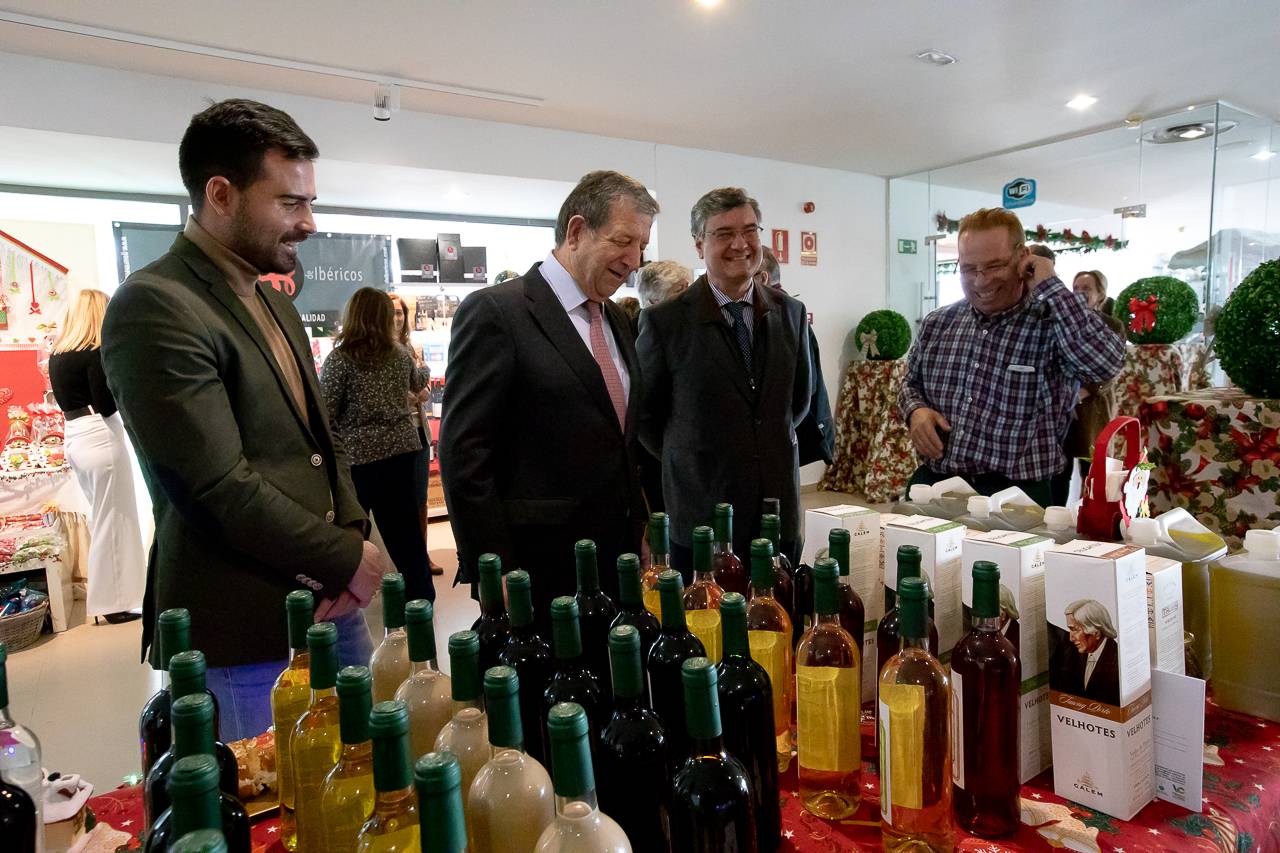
x,y
250,502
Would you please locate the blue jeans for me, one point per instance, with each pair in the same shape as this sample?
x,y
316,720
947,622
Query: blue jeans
x,y
244,692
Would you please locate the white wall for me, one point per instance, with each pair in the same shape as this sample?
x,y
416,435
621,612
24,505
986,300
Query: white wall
x,y
848,281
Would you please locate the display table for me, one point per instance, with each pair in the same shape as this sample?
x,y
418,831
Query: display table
x,y
1217,454
55,494
1241,787
1156,370
874,456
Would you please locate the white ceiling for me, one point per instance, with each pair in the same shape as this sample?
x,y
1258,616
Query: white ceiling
x,y
826,82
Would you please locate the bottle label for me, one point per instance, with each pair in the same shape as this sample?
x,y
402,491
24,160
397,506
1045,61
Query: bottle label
x,y
957,729
705,625
902,712
829,715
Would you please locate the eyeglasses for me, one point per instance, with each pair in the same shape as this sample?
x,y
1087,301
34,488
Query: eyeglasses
x,y
987,271
750,234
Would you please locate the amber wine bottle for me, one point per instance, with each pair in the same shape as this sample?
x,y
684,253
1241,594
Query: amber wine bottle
x,y
726,566
596,613
829,705
676,645
711,807
750,731
317,740
466,735
580,826
511,800
529,655
494,626
393,826
631,609
173,635
915,749
986,679
635,771
702,598
390,661
659,536
438,781
290,697
427,692
769,633
347,797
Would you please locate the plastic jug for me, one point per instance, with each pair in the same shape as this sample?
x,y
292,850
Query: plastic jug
x,y
1178,536
950,497
1245,607
1015,510
918,502
1059,525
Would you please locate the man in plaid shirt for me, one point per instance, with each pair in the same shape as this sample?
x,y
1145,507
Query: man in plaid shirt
x,y
992,380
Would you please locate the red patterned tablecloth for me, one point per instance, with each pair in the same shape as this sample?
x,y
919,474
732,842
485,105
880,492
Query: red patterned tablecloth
x,y
874,456
1241,814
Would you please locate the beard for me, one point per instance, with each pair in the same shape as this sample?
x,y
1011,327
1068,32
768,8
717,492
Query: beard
x,y
266,252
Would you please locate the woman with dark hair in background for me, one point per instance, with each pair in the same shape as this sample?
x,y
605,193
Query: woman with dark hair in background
x,y
98,452
422,462
367,382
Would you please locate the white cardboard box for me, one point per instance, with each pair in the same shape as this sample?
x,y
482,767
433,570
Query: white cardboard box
x,y
1164,615
1100,676
1020,557
939,542
866,569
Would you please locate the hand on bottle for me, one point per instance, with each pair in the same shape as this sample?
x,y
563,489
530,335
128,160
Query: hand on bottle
x,y
359,592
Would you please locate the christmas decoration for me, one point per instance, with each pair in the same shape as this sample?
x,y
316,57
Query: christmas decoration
x,y
1062,241
883,336
1247,333
1157,310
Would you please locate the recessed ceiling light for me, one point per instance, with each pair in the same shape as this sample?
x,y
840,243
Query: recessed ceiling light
x,y
708,3
1189,132
1264,155
933,56
1193,132
1082,102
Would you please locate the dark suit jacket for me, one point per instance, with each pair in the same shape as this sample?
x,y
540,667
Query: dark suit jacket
x,y
1067,674
250,502
531,454
723,435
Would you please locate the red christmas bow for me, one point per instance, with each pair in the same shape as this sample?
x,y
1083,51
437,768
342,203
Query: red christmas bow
x,y
1144,313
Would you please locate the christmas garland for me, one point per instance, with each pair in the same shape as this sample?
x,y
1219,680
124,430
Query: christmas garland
x,y
1063,241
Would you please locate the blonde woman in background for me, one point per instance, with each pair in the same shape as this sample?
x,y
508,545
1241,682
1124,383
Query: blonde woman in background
x,y
98,452
404,315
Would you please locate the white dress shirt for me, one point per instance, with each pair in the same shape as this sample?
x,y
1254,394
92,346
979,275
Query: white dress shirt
x,y
575,304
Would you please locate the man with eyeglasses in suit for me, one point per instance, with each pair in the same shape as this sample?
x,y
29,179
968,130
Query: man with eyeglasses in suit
x,y
726,371
992,379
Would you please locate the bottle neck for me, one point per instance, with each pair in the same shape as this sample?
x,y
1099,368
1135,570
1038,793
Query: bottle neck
x,y
826,619
495,750
397,631
491,603
576,808
989,624
706,745
628,703
318,696
921,643
199,811
418,666
462,705
353,752
659,562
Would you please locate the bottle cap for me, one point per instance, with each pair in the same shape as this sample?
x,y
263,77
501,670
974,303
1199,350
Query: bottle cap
x,y
464,666
438,779
825,573
733,625
355,701
912,607
571,769
908,562
187,673
629,591
671,599
701,698
193,775
703,536
192,724
624,661
299,609
322,642
502,704
724,522
490,567
838,548
1263,544
566,635
659,533
771,527
920,493
393,601
986,590
584,555
1058,518
419,623
762,574
979,506
437,773
389,730
519,598
173,628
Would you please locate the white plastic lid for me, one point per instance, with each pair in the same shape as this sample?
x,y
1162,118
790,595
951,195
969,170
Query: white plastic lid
x,y
1058,518
920,493
1144,531
979,506
1264,544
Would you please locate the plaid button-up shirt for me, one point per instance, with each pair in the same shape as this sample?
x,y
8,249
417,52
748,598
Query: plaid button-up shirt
x,y
1007,383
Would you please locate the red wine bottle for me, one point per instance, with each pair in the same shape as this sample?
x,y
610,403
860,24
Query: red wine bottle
x,y
173,635
727,567
493,627
676,645
530,656
596,612
572,680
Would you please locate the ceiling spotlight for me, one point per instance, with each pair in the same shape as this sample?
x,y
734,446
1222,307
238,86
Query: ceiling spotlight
x,y
933,56
1264,155
386,100
1193,132
708,4
1189,132
1082,102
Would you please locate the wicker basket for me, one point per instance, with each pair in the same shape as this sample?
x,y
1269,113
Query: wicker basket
x,y
22,629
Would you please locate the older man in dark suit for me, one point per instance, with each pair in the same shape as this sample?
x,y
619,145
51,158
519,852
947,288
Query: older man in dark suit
x,y
538,445
726,368
215,381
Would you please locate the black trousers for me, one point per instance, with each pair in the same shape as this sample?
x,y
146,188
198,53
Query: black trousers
x,y
988,484
386,491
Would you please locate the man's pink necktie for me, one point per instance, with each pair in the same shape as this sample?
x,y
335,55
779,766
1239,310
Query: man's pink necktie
x,y
600,349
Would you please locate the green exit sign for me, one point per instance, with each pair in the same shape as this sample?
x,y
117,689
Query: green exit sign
x,y
906,247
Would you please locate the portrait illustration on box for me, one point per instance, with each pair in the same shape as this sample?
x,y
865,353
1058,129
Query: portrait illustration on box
x,y
1008,615
1084,661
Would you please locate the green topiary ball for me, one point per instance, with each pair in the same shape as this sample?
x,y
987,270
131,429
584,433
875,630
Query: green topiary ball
x,y
1247,333
1174,313
892,335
